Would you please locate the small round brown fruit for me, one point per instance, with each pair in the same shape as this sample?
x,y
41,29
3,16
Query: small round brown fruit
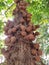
x,y
36,46
39,52
36,33
5,28
22,20
23,33
37,26
28,19
9,31
33,51
37,58
30,37
22,27
23,13
14,30
7,40
16,1
29,15
13,39
29,29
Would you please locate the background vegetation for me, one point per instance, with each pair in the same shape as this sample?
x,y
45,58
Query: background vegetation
x,y
40,15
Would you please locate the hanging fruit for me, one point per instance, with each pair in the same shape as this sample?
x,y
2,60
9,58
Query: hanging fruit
x,y
20,34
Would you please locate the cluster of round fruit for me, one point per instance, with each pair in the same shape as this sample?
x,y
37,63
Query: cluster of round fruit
x,y
21,30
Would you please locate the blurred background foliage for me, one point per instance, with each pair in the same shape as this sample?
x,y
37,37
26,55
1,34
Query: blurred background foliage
x,y
40,15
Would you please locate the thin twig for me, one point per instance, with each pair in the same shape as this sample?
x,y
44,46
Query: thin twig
x,y
9,8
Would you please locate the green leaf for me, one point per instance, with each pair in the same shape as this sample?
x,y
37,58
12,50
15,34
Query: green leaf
x,y
47,50
9,1
2,5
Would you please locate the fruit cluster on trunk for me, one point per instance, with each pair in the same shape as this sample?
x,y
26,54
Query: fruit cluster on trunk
x,y
20,34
